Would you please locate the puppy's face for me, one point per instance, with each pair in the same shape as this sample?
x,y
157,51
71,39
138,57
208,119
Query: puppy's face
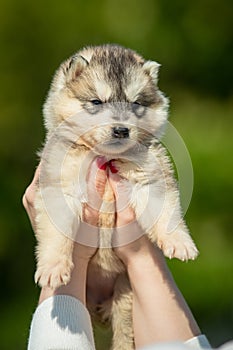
x,y
109,96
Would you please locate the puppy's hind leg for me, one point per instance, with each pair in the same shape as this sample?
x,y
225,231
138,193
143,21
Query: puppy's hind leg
x,y
122,322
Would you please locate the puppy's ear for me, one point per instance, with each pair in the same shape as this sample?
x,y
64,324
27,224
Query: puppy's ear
x,y
74,67
152,69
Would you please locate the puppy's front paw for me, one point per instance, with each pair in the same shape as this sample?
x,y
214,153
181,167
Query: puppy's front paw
x,y
178,245
54,274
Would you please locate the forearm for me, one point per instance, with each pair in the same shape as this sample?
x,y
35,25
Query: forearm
x,y
160,312
77,285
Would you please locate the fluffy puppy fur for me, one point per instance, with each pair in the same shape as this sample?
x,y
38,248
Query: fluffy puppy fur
x,y
105,101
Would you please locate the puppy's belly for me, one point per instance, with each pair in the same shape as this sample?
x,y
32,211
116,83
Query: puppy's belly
x,y
99,287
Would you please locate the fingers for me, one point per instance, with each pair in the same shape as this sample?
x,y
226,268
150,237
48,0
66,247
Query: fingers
x,y
29,196
96,181
127,227
122,190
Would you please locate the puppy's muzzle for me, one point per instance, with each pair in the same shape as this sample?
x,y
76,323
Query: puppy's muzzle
x,y
120,132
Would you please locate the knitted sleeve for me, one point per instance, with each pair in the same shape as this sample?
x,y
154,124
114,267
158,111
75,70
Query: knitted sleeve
x,y
61,322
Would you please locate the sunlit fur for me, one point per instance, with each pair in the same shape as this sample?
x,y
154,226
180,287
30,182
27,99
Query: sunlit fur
x,y
126,85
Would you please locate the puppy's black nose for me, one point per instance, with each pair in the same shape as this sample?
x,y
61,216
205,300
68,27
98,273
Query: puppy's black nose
x,y
120,132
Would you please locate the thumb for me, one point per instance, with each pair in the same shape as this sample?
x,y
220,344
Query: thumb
x,y
122,191
96,181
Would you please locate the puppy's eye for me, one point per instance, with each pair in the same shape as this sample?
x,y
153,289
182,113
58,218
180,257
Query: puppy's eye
x,y
96,102
138,109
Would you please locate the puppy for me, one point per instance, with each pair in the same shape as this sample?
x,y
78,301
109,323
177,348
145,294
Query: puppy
x,y
104,101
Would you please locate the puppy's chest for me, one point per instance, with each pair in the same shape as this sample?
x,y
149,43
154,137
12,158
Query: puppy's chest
x,y
141,173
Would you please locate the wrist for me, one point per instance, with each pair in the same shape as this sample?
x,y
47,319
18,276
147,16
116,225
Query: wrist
x,y
146,257
82,254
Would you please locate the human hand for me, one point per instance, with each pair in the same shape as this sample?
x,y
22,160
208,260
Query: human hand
x,y
129,240
96,181
29,197
88,230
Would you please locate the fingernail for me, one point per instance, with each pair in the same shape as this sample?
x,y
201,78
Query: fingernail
x,y
101,163
112,166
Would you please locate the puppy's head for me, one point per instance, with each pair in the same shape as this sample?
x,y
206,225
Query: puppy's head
x,y
109,94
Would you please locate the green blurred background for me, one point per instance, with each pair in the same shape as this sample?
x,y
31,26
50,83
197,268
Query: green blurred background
x,y
193,42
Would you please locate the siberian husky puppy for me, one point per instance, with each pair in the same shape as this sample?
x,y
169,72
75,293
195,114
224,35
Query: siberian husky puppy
x,y
104,101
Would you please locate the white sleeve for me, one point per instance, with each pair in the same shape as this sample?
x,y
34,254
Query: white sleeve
x,y
61,322
199,342
227,346
195,343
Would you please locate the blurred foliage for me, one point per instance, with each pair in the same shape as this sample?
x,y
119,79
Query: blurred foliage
x,y
193,41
